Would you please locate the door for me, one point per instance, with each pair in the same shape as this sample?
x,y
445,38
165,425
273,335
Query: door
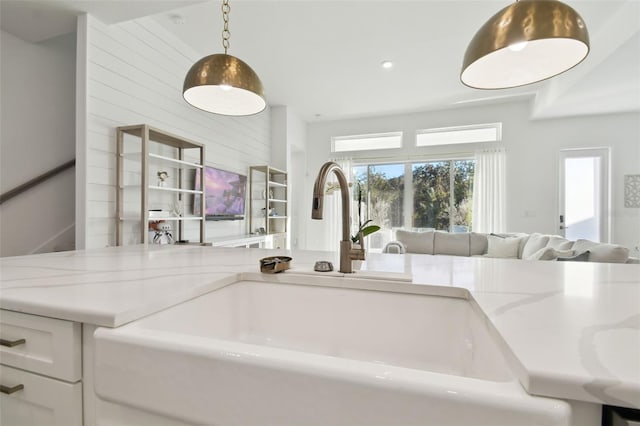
x,y
584,194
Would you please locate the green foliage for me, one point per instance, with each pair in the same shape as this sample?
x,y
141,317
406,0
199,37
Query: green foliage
x,y
382,197
366,230
432,196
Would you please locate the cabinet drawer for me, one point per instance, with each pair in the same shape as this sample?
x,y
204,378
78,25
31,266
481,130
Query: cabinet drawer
x,y
51,346
42,401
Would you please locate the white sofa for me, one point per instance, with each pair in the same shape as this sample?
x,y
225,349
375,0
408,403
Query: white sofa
x,y
517,246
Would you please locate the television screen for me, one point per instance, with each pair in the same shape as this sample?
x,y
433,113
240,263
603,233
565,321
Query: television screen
x,y
224,194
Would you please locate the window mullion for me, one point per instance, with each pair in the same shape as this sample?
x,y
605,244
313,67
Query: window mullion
x,y
452,181
408,196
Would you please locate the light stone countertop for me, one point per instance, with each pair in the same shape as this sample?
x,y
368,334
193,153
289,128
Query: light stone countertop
x,y
572,328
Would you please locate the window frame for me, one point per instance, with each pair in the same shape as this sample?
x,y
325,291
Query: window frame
x,y
451,131
408,195
335,140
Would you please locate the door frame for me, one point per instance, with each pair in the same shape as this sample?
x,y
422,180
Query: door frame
x,y
605,186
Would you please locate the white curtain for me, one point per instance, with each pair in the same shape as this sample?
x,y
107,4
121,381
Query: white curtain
x,y
333,205
489,191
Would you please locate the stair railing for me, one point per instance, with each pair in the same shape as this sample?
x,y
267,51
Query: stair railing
x,y
36,181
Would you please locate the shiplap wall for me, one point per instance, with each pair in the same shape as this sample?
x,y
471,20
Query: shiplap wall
x,y
135,72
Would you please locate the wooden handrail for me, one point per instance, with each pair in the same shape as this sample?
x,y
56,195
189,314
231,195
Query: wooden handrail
x,y
35,181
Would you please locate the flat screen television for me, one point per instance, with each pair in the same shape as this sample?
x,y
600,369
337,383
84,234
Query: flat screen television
x,y
224,194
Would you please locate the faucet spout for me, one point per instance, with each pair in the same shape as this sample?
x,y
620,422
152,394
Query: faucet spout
x,y
347,252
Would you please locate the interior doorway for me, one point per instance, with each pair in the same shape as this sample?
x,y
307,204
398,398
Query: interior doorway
x,y
584,194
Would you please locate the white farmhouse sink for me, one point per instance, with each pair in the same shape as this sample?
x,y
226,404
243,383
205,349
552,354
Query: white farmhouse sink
x,y
284,353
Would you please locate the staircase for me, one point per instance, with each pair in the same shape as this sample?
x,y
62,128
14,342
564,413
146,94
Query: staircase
x,y
39,215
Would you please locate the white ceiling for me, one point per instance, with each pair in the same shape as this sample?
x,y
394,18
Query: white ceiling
x,y
322,58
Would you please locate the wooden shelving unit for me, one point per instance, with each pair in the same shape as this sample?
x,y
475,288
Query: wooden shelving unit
x,y
268,203
141,151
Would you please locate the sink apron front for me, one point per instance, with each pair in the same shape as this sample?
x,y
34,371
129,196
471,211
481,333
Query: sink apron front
x,y
256,353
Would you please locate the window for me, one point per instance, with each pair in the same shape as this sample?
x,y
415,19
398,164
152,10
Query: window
x,y
366,142
461,134
382,188
424,195
442,195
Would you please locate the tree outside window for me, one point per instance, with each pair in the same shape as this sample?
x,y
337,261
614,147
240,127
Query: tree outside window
x,y
440,194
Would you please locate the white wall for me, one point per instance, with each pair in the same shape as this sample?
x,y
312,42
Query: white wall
x,y
37,135
288,141
532,159
134,75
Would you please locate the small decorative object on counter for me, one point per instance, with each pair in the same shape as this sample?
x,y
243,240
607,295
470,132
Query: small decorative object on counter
x,y
274,264
323,266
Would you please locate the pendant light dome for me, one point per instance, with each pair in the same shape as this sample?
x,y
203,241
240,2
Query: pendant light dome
x,y
223,84
526,42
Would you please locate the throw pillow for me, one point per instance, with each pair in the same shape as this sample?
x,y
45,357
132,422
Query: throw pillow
x,y
416,242
521,236
535,243
502,247
559,243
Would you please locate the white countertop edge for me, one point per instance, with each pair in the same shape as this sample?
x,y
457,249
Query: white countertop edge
x,y
108,318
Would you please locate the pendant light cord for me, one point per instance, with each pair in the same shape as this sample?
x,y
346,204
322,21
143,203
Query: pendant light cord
x,y
226,9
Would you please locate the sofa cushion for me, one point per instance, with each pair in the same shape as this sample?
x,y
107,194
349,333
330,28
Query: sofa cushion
x,y
549,253
416,242
582,257
602,252
559,243
455,244
477,243
608,253
503,247
534,244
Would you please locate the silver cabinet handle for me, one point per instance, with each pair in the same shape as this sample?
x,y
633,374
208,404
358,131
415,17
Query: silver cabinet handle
x,y
11,389
12,343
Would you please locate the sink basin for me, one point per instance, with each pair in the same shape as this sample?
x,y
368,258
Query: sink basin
x,y
305,350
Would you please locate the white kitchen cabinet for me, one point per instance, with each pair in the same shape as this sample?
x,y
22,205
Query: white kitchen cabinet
x,y
40,371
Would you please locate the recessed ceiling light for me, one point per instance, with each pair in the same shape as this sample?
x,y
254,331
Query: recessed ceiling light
x,y
386,64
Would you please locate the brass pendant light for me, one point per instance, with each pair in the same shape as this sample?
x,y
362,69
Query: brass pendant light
x,y
526,42
224,84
